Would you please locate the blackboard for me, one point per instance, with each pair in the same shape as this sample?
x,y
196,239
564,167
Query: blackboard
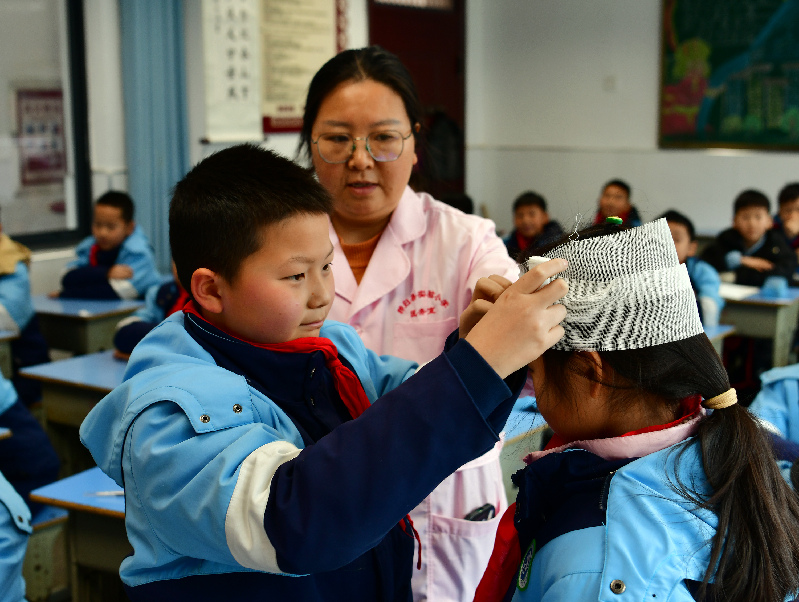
x,y
730,74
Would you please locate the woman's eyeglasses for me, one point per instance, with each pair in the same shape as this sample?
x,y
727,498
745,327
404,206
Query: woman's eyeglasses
x,y
383,146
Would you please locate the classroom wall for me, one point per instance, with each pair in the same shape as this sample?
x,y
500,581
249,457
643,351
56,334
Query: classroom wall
x,y
562,95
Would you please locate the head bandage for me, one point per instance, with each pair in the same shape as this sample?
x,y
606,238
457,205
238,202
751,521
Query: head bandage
x,y
626,291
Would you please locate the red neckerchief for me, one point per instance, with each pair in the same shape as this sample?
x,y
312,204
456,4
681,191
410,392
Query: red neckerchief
x,y
506,556
182,299
504,562
347,384
93,255
522,241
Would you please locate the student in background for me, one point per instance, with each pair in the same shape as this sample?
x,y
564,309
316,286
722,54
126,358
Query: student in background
x,y
615,202
17,314
160,302
657,484
786,221
15,528
777,402
751,249
116,261
531,225
406,266
704,278
257,460
27,458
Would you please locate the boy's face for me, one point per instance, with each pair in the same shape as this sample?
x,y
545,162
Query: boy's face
x,y
614,201
752,223
109,228
530,220
284,290
682,241
789,212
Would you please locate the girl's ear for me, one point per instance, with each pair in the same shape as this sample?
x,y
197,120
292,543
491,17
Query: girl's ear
x,y
597,372
205,288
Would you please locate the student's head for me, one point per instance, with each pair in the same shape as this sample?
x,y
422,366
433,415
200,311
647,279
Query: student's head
x,y
788,199
357,94
248,231
752,216
615,198
530,214
113,221
682,231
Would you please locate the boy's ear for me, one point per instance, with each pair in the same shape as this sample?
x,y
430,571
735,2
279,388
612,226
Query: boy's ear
x,y
205,288
130,227
692,248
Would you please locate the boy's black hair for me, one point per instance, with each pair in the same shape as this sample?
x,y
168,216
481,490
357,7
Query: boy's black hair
x,y
528,198
120,200
678,218
754,553
789,192
751,198
621,184
357,65
219,209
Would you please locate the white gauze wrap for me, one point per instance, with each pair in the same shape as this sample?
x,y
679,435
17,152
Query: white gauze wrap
x,y
626,291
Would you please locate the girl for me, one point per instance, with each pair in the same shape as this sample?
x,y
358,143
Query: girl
x,y
657,485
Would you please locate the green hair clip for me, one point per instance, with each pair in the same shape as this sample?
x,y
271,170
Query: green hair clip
x,y
614,220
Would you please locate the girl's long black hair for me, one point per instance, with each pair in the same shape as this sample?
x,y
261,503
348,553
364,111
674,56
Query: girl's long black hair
x,y
755,550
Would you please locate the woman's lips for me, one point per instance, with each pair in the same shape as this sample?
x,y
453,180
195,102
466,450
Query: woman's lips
x,y
361,188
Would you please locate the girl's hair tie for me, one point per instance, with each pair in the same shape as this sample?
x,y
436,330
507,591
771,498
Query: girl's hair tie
x,y
614,219
719,402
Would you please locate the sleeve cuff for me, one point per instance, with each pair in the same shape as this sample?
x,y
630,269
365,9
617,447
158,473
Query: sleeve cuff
x,y
733,259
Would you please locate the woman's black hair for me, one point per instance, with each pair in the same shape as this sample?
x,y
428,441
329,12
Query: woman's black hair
x,y
755,550
370,63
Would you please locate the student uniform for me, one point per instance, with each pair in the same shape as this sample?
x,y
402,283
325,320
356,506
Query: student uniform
x,y
159,302
600,520
15,527
419,280
725,254
87,277
245,477
777,403
517,245
705,281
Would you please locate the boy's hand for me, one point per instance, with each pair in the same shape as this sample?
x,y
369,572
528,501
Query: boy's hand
x,y
120,271
523,322
757,263
486,292
53,294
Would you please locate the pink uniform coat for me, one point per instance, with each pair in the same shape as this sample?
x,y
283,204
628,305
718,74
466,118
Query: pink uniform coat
x,y
419,280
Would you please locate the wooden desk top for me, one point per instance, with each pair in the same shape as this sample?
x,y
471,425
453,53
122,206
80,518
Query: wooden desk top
x,y
79,492
84,309
96,371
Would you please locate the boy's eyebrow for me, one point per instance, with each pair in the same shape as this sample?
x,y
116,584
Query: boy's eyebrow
x,y
343,124
305,259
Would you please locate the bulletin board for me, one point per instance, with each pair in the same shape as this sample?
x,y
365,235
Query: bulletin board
x,y
730,74
259,57
40,131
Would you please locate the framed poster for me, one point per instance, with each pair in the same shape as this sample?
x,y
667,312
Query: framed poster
x,y
729,74
40,131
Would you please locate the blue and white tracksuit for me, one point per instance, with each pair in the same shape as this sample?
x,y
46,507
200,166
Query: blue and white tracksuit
x,y
777,403
244,477
15,527
705,281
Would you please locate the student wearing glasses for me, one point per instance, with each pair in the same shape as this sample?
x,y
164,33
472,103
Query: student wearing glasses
x,y
405,267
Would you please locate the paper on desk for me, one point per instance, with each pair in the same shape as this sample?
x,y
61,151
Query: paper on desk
x,y
736,292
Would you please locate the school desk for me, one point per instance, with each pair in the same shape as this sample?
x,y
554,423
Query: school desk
x,y
80,325
763,316
6,336
70,389
717,334
96,532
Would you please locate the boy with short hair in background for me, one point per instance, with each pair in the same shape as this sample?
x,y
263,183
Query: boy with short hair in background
x,y
531,225
116,261
704,278
786,222
615,202
751,250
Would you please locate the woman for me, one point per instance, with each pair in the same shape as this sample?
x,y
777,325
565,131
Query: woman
x,y
405,267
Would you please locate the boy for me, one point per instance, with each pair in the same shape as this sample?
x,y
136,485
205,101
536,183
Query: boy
x,y
17,314
704,279
257,461
751,249
116,261
787,220
615,202
531,225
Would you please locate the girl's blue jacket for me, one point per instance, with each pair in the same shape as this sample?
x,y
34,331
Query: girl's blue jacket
x,y
227,497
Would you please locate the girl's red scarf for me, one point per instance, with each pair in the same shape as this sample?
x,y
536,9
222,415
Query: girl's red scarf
x,y
93,255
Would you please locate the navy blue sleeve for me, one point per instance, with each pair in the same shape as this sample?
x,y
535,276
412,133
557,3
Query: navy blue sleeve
x,y
339,497
127,337
87,282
